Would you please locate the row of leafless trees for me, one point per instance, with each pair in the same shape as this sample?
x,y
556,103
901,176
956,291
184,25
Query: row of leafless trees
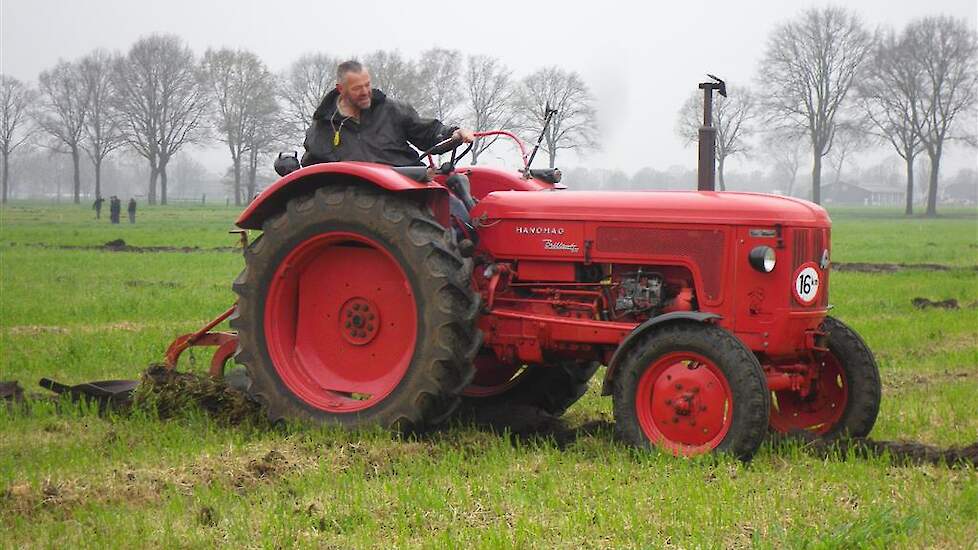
x,y
160,97
827,79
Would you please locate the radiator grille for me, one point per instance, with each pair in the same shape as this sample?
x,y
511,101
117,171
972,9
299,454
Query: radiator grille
x,y
703,247
808,245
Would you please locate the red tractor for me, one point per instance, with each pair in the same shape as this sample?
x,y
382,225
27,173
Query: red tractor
x,y
375,295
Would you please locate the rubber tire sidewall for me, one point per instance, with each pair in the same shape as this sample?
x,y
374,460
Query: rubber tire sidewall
x,y
751,400
864,391
441,364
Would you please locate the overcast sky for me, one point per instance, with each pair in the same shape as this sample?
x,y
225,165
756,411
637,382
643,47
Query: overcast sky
x,y
641,60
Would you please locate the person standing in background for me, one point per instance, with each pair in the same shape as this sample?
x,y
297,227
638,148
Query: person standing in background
x,y
97,207
132,210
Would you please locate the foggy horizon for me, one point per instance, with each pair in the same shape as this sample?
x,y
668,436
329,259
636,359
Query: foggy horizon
x,y
640,64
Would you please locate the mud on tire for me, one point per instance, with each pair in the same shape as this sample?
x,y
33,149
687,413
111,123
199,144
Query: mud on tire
x,y
691,388
404,238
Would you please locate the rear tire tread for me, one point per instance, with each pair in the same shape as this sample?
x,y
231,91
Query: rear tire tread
x,y
443,366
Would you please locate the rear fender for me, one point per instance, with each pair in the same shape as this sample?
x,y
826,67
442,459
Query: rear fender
x,y
310,178
648,326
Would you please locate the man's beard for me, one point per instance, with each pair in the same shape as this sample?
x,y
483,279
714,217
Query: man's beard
x,y
363,104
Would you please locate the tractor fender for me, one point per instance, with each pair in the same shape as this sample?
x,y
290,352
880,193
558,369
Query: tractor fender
x,y
635,336
308,179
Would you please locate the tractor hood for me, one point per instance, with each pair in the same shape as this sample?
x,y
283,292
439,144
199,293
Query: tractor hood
x,y
688,207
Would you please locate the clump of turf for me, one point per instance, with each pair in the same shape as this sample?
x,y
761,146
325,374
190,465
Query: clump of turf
x,y
169,393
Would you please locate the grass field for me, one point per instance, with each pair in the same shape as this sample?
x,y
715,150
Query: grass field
x,y
70,477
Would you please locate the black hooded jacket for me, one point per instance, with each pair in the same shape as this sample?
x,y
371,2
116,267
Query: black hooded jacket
x,y
381,135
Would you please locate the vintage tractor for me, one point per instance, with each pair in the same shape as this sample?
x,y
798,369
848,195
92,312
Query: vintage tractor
x,y
382,295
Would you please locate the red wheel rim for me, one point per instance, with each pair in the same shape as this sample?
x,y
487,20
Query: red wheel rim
x,y
684,404
492,377
340,322
818,412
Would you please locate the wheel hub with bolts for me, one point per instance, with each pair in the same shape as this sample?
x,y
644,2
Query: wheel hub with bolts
x,y
684,403
359,320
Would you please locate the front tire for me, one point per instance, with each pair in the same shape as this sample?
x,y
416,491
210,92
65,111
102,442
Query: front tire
x,y
847,394
691,389
355,308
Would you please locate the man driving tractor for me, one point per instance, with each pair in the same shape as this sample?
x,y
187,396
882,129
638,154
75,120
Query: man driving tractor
x,y
356,122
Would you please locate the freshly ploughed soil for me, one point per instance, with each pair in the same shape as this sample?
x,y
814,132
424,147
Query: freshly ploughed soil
x,y
924,303
119,245
169,394
863,267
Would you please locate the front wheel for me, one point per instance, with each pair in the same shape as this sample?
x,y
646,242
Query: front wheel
x,y
845,398
690,389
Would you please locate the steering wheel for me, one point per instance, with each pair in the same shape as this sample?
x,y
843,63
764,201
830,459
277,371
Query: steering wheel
x,y
442,147
451,144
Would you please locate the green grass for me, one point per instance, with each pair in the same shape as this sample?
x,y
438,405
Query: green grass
x,y
69,477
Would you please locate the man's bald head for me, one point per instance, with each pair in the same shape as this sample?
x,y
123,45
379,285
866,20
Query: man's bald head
x,y
353,84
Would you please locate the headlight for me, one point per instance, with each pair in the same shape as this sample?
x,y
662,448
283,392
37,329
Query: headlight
x,y
762,259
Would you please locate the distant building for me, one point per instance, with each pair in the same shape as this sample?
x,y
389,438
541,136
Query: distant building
x,y
865,194
963,192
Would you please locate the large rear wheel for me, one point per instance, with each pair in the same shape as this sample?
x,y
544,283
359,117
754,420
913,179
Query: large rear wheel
x,y
690,389
846,395
355,308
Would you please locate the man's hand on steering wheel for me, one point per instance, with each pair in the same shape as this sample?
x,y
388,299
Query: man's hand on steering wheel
x,y
464,134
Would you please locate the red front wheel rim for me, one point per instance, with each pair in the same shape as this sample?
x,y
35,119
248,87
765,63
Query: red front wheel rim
x,y
821,410
340,322
684,404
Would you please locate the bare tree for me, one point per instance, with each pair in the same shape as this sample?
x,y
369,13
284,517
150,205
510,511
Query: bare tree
x,y
807,70
945,51
16,126
732,116
574,126
439,71
786,153
63,111
240,87
264,129
102,130
161,102
888,93
489,97
395,76
849,139
303,87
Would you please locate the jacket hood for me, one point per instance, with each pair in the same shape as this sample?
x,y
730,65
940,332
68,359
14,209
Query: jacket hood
x,y
328,105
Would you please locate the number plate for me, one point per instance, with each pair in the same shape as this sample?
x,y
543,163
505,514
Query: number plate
x,y
808,280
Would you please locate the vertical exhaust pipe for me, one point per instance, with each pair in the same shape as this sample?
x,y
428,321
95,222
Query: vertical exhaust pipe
x,y
706,177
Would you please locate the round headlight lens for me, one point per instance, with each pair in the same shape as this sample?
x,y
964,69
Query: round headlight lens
x,y
762,258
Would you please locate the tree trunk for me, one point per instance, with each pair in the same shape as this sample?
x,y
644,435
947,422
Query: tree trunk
x,y
6,176
153,173
76,175
98,178
553,157
935,165
909,209
236,163
252,174
475,151
817,178
720,159
163,183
